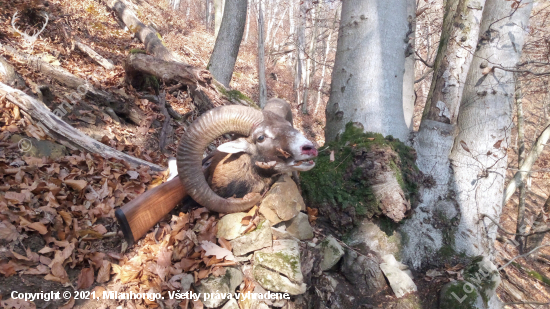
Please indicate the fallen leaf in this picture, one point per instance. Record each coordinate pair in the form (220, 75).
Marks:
(85, 278)
(39, 227)
(103, 275)
(331, 157)
(78, 185)
(211, 249)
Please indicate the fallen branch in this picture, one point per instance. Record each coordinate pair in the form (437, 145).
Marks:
(538, 231)
(94, 55)
(166, 131)
(522, 255)
(9, 76)
(153, 45)
(59, 74)
(63, 132)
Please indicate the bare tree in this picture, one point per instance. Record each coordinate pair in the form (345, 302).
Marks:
(261, 55)
(226, 49)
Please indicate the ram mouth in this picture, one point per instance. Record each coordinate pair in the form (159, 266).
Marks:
(307, 162)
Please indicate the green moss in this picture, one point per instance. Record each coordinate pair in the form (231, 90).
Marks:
(233, 95)
(344, 183)
(137, 51)
(534, 274)
(450, 301)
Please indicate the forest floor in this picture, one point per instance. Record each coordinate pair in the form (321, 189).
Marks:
(87, 234)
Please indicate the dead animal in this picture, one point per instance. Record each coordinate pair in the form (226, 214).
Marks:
(233, 178)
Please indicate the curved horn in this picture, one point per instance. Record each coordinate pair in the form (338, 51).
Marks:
(212, 124)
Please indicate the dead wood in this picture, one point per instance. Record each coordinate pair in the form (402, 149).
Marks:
(94, 55)
(9, 76)
(62, 132)
(147, 35)
(206, 92)
(166, 131)
(123, 106)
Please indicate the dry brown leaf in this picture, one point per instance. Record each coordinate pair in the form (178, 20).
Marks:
(69, 304)
(77, 185)
(100, 228)
(103, 275)
(331, 157)
(66, 216)
(39, 227)
(85, 278)
(17, 304)
(213, 249)
(224, 243)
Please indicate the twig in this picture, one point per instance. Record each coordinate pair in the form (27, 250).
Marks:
(522, 255)
(515, 234)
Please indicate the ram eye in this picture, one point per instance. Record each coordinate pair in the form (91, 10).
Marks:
(261, 138)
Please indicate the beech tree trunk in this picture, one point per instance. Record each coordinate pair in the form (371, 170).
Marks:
(218, 15)
(226, 49)
(484, 123)
(367, 78)
(261, 56)
(435, 137)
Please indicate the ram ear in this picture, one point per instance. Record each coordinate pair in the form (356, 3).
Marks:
(236, 146)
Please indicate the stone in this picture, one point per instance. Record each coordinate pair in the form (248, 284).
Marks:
(283, 201)
(398, 276)
(477, 291)
(331, 252)
(280, 232)
(278, 269)
(367, 237)
(259, 238)
(460, 294)
(274, 282)
(231, 304)
(363, 272)
(222, 285)
(299, 227)
(230, 227)
(39, 149)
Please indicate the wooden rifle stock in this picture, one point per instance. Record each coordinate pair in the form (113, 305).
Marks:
(143, 212)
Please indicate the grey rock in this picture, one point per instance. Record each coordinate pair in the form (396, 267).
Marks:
(222, 285)
(231, 304)
(186, 281)
(230, 227)
(460, 294)
(259, 238)
(273, 281)
(363, 272)
(367, 237)
(299, 227)
(399, 278)
(280, 232)
(331, 251)
(283, 201)
(278, 269)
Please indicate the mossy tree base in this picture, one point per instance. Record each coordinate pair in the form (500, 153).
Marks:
(369, 176)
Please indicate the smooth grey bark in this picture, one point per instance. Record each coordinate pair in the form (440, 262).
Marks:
(409, 96)
(367, 78)
(218, 15)
(300, 48)
(479, 156)
(435, 137)
(226, 49)
(310, 63)
(247, 23)
(261, 56)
